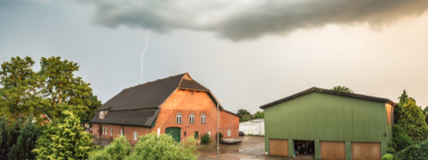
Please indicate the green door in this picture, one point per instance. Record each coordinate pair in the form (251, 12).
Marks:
(174, 132)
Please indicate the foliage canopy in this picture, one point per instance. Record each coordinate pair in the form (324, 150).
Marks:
(417, 151)
(151, 147)
(258, 114)
(24, 92)
(20, 92)
(342, 89)
(243, 112)
(411, 118)
(117, 150)
(163, 146)
(64, 138)
(17, 139)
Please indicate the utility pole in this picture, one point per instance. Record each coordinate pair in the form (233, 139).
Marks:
(217, 134)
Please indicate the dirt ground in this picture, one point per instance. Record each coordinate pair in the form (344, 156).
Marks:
(251, 148)
(247, 143)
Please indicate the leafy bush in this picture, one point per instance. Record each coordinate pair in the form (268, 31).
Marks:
(391, 149)
(387, 156)
(417, 151)
(400, 139)
(117, 150)
(18, 139)
(154, 147)
(26, 141)
(205, 139)
(244, 118)
(64, 139)
(220, 135)
(411, 118)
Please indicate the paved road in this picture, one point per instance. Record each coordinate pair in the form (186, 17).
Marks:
(252, 148)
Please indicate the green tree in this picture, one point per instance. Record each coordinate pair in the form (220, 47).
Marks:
(117, 150)
(17, 139)
(258, 114)
(425, 113)
(3, 137)
(29, 132)
(245, 118)
(417, 151)
(397, 112)
(243, 112)
(425, 110)
(220, 135)
(205, 139)
(65, 90)
(409, 124)
(244, 115)
(400, 139)
(342, 89)
(413, 120)
(64, 138)
(8, 136)
(20, 92)
(153, 147)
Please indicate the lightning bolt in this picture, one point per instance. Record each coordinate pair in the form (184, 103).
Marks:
(142, 56)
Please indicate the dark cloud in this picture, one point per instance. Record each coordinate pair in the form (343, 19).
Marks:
(247, 19)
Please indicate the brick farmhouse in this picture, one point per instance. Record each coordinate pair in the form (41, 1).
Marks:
(177, 105)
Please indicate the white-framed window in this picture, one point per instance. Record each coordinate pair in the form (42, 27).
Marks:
(203, 118)
(106, 130)
(228, 133)
(179, 118)
(100, 114)
(191, 118)
(135, 135)
(209, 133)
(121, 132)
(103, 130)
(111, 131)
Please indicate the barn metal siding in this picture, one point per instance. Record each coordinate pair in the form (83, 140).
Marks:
(326, 117)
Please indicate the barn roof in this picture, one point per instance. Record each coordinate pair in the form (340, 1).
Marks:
(130, 118)
(128, 106)
(327, 91)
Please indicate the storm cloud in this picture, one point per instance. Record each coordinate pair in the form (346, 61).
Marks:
(247, 19)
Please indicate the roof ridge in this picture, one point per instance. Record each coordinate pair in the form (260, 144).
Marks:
(327, 91)
(159, 79)
(363, 95)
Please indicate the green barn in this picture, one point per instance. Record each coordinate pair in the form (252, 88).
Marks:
(327, 124)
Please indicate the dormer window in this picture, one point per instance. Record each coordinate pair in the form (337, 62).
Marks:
(101, 115)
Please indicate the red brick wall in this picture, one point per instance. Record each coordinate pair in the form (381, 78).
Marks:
(184, 102)
(128, 132)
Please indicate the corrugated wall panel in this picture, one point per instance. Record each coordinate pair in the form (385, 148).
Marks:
(325, 117)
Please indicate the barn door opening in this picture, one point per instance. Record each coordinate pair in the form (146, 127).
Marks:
(196, 135)
(304, 149)
(366, 151)
(278, 147)
(174, 132)
(332, 150)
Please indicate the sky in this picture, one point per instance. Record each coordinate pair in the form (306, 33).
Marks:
(248, 53)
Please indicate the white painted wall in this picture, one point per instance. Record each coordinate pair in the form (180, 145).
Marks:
(255, 127)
